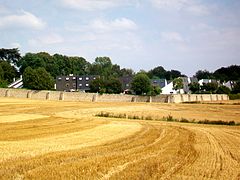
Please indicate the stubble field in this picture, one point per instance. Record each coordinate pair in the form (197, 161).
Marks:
(65, 140)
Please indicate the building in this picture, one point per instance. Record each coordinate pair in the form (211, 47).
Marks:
(229, 84)
(159, 82)
(83, 82)
(66, 83)
(168, 89)
(126, 83)
(74, 83)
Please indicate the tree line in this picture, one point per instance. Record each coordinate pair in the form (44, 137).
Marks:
(40, 69)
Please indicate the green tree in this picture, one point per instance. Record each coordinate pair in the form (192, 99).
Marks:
(113, 86)
(141, 84)
(203, 74)
(97, 85)
(173, 74)
(223, 90)
(155, 90)
(37, 79)
(178, 84)
(10, 55)
(3, 83)
(228, 73)
(1, 73)
(236, 88)
(10, 72)
(126, 72)
(102, 66)
(159, 72)
(194, 87)
(31, 60)
(209, 87)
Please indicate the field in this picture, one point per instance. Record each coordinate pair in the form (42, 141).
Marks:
(66, 140)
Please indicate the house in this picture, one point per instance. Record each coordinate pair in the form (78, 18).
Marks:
(186, 82)
(126, 83)
(229, 84)
(159, 82)
(83, 82)
(74, 83)
(168, 89)
(66, 83)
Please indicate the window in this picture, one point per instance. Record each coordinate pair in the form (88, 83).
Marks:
(67, 78)
(87, 78)
(59, 78)
(80, 79)
(74, 78)
(87, 85)
(80, 85)
(94, 78)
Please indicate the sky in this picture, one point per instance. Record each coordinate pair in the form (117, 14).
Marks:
(186, 35)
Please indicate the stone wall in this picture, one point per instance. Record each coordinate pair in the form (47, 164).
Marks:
(92, 97)
(178, 98)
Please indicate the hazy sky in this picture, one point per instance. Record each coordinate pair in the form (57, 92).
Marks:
(186, 35)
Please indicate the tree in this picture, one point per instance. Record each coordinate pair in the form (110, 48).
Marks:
(178, 84)
(102, 66)
(194, 87)
(3, 83)
(223, 90)
(203, 74)
(155, 90)
(228, 73)
(9, 72)
(10, 55)
(126, 72)
(141, 84)
(97, 85)
(113, 86)
(236, 88)
(37, 79)
(159, 72)
(209, 87)
(1, 73)
(31, 60)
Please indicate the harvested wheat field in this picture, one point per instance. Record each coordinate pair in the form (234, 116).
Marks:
(66, 140)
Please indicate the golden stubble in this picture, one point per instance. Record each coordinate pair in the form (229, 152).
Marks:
(65, 140)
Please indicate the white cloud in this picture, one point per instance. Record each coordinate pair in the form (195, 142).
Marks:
(172, 37)
(190, 6)
(121, 24)
(21, 20)
(48, 39)
(105, 26)
(92, 5)
(105, 36)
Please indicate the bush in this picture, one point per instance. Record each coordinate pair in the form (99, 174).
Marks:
(219, 122)
(234, 96)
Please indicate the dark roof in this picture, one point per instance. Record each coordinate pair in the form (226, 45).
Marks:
(159, 82)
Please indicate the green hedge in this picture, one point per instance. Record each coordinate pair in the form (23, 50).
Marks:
(234, 96)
